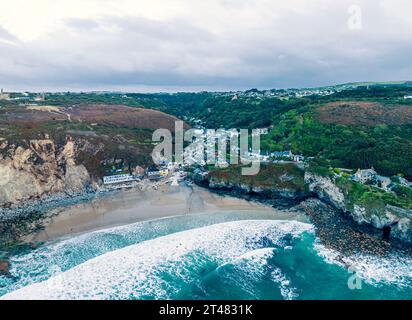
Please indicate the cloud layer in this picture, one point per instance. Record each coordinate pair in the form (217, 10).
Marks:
(197, 44)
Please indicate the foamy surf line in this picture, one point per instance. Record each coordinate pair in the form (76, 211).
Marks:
(252, 268)
(56, 257)
(375, 270)
(134, 271)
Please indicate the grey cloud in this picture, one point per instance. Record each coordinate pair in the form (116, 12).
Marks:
(300, 49)
(82, 24)
(5, 35)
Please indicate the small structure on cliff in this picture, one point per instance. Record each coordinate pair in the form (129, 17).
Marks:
(4, 96)
(287, 155)
(365, 176)
(153, 173)
(282, 154)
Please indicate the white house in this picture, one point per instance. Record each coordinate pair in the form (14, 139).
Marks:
(298, 158)
(282, 154)
(118, 179)
(365, 176)
(384, 182)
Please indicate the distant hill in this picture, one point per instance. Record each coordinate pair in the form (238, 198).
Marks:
(354, 85)
(364, 113)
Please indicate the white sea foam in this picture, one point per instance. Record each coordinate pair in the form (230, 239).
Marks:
(58, 256)
(253, 267)
(248, 269)
(392, 269)
(136, 271)
(286, 289)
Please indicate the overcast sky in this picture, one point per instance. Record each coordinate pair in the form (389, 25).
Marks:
(175, 45)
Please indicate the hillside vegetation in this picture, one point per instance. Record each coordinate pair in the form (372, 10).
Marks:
(356, 126)
(274, 176)
(101, 131)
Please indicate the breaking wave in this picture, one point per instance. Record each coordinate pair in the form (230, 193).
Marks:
(374, 270)
(203, 257)
(163, 267)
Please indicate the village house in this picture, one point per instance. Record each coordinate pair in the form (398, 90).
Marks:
(153, 173)
(281, 155)
(384, 183)
(163, 172)
(298, 158)
(40, 97)
(365, 176)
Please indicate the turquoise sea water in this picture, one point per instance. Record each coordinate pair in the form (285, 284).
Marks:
(214, 256)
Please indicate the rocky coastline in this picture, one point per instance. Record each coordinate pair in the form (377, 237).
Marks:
(36, 177)
(337, 226)
(22, 219)
(276, 197)
(391, 222)
(44, 177)
(18, 220)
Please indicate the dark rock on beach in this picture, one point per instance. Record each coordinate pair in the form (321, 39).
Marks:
(341, 233)
(16, 221)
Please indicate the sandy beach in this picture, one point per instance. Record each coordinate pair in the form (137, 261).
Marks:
(134, 205)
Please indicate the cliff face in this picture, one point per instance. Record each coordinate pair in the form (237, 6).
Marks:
(39, 168)
(325, 190)
(395, 220)
(264, 191)
(272, 181)
(392, 221)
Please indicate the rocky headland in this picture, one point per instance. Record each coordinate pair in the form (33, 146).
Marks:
(291, 186)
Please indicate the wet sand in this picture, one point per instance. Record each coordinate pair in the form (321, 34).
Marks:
(130, 206)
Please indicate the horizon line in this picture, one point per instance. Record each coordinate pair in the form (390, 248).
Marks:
(198, 89)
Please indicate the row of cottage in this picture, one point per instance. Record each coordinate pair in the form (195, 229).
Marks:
(152, 173)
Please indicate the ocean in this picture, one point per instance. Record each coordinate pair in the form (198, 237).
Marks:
(205, 256)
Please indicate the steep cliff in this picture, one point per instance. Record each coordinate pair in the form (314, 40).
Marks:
(282, 192)
(371, 210)
(273, 182)
(325, 189)
(366, 205)
(37, 168)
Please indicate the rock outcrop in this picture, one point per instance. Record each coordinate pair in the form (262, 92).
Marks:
(394, 222)
(251, 189)
(39, 168)
(4, 267)
(325, 189)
